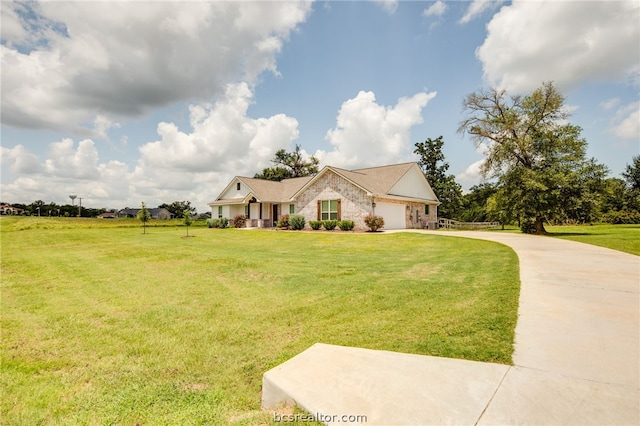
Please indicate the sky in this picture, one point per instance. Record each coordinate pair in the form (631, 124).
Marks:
(160, 101)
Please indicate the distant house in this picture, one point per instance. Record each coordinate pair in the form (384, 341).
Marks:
(8, 209)
(399, 193)
(107, 215)
(157, 213)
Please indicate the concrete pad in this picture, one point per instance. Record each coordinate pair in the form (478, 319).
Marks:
(386, 387)
(539, 398)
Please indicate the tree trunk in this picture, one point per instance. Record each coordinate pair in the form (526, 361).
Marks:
(540, 226)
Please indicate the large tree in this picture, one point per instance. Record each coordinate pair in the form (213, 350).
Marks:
(431, 161)
(538, 157)
(177, 208)
(290, 165)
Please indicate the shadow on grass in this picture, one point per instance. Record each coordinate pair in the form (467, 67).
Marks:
(572, 234)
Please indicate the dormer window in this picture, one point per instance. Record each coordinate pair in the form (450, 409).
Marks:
(238, 186)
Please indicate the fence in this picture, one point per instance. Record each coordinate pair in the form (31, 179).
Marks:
(454, 224)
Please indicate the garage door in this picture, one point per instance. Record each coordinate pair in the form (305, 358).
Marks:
(393, 214)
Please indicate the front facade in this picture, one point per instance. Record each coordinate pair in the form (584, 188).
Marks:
(399, 193)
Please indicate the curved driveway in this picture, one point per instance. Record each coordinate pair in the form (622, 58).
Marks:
(577, 336)
(576, 358)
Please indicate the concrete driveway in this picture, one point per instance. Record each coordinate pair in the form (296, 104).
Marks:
(576, 359)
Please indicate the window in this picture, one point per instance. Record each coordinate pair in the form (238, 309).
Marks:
(219, 211)
(246, 211)
(238, 186)
(292, 208)
(329, 210)
(426, 209)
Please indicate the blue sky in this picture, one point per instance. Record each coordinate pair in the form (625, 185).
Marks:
(123, 102)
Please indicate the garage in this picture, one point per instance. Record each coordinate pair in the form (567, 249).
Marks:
(393, 215)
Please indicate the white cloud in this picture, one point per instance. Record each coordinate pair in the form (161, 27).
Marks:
(529, 42)
(610, 103)
(436, 9)
(476, 8)
(389, 6)
(68, 169)
(64, 73)
(369, 134)
(471, 176)
(627, 122)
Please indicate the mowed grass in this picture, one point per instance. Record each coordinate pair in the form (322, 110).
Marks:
(104, 325)
(624, 238)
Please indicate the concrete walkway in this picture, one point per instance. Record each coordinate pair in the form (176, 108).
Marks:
(577, 356)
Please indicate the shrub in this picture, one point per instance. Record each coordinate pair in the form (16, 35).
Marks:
(528, 226)
(621, 217)
(239, 221)
(224, 222)
(330, 225)
(296, 222)
(346, 225)
(315, 224)
(283, 222)
(213, 223)
(373, 222)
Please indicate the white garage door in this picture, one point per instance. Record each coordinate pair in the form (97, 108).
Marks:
(393, 214)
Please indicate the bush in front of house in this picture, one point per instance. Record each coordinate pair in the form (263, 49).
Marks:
(315, 224)
(239, 221)
(296, 222)
(346, 225)
(283, 222)
(223, 222)
(213, 223)
(329, 225)
(373, 222)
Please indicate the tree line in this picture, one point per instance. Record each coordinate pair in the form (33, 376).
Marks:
(40, 208)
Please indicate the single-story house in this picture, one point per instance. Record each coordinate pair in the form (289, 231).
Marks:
(8, 209)
(157, 213)
(107, 215)
(399, 193)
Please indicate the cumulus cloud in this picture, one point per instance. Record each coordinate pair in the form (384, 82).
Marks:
(69, 168)
(471, 176)
(627, 122)
(368, 134)
(64, 74)
(223, 138)
(610, 103)
(529, 42)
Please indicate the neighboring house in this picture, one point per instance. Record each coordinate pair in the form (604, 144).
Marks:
(399, 193)
(156, 213)
(10, 210)
(107, 215)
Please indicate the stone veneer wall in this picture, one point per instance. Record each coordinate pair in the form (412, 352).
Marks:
(355, 204)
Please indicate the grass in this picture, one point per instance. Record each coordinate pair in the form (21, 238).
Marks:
(624, 238)
(104, 325)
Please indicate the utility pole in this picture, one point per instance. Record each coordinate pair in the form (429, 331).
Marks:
(80, 207)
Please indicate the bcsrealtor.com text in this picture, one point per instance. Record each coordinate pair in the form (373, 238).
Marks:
(319, 417)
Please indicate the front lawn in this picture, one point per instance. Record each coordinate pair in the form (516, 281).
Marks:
(104, 325)
(617, 237)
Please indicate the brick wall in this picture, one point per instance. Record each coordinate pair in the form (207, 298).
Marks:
(355, 204)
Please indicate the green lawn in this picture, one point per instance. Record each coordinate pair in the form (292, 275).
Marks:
(624, 238)
(618, 237)
(104, 325)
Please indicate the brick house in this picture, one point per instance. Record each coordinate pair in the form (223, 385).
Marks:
(399, 193)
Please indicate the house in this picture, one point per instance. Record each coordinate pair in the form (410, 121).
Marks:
(157, 213)
(107, 215)
(399, 193)
(7, 209)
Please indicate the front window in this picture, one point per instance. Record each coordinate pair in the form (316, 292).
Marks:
(426, 209)
(329, 210)
(292, 208)
(219, 211)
